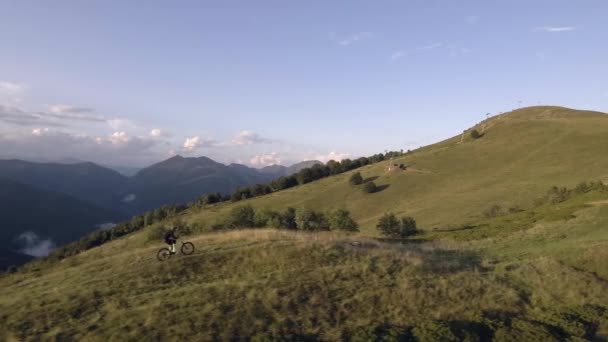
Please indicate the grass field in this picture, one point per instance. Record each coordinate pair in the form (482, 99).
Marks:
(536, 272)
(545, 281)
(521, 154)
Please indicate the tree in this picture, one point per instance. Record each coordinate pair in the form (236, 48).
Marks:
(356, 178)
(311, 220)
(370, 187)
(334, 167)
(305, 176)
(475, 134)
(241, 217)
(340, 219)
(260, 190)
(288, 219)
(264, 217)
(390, 226)
(408, 226)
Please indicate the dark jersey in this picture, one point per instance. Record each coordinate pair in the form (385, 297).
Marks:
(170, 237)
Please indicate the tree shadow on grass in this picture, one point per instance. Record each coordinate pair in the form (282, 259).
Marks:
(436, 259)
(442, 261)
(381, 187)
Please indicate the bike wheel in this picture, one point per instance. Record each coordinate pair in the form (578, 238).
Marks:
(187, 248)
(163, 254)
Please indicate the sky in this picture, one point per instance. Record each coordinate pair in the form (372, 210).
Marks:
(130, 83)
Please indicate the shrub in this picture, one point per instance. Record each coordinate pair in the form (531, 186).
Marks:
(390, 226)
(557, 195)
(370, 187)
(311, 220)
(493, 211)
(241, 217)
(408, 226)
(288, 219)
(263, 218)
(340, 219)
(514, 210)
(356, 179)
(475, 134)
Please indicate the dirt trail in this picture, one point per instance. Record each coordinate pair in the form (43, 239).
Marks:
(602, 202)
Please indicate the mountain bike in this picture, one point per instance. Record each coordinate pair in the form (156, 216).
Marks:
(164, 253)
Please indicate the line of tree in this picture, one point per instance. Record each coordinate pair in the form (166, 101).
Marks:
(99, 237)
(389, 225)
(292, 219)
(309, 174)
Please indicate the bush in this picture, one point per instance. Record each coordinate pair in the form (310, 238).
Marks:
(390, 226)
(263, 218)
(356, 179)
(408, 226)
(557, 195)
(241, 217)
(370, 187)
(311, 220)
(288, 219)
(475, 134)
(340, 220)
(493, 211)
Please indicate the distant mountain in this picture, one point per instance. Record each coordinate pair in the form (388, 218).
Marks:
(280, 170)
(124, 170)
(34, 220)
(86, 181)
(179, 180)
(175, 180)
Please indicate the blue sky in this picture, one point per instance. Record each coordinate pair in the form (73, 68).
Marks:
(262, 82)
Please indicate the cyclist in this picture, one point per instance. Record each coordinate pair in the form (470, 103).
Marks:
(171, 238)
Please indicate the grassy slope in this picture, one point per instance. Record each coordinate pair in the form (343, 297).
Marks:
(521, 155)
(544, 281)
(534, 275)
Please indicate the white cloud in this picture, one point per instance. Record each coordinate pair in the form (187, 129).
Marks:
(248, 138)
(11, 88)
(265, 160)
(355, 38)
(62, 108)
(40, 131)
(17, 116)
(332, 156)
(120, 123)
(429, 47)
(34, 245)
(194, 143)
(472, 19)
(554, 29)
(156, 132)
(11, 92)
(106, 225)
(119, 138)
(398, 54)
(403, 53)
(129, 198)
(117, 149)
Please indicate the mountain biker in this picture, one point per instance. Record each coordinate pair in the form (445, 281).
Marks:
(171, 238)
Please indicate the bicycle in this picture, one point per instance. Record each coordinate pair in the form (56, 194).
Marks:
(164, 253)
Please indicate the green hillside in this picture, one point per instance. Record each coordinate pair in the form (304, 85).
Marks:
(520, 155)
(507, 279)
(534, 269)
